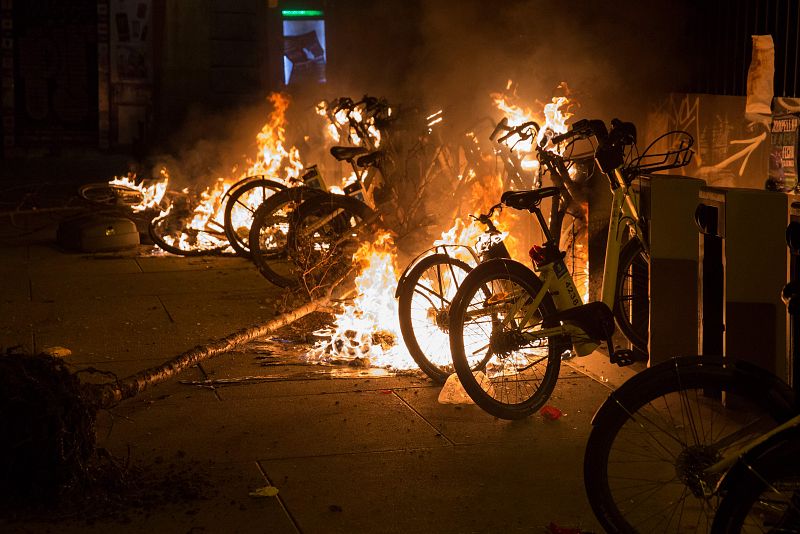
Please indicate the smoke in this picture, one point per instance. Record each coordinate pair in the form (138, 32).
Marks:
(615, 56)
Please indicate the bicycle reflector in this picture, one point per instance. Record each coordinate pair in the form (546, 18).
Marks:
(537, 255)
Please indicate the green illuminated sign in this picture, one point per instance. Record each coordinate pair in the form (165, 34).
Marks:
(289, 13)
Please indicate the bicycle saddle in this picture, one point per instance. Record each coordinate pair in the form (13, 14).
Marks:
(370, 159)
(347, 153)
(527, 200)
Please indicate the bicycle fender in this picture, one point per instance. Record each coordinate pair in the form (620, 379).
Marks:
(778, 396)
(438, 249)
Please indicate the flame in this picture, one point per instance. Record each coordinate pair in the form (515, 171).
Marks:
(273, 159)
(369, 327)
(351, 124)
(553, 119)
(152, 194)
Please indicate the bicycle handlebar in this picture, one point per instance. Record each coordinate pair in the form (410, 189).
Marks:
(523, 130)
(486, 218)
(583, 129)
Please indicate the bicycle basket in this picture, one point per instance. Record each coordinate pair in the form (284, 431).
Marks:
(668, 151)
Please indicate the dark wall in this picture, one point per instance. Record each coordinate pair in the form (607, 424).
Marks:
(216, 60)
(55, 72)
(454, 53)
(726, 44)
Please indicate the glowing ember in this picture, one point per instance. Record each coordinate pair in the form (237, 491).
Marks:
(368, 330)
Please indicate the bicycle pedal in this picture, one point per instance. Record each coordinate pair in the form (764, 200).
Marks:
(623, 357)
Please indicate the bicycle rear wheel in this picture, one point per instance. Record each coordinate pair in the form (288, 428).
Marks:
(489, 323)
(243, 200)
(324, 235)
(632, 298)
(763, 489)
(269, 232)
(424, 301)
(651, 441)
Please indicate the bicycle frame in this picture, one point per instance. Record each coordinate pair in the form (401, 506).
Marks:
(558, 282)
(624, 215)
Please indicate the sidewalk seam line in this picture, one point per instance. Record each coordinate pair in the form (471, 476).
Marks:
(438, 431)
(280, 499)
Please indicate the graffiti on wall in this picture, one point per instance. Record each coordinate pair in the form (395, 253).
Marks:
(730, 149)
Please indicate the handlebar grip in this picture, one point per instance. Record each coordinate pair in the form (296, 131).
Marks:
(624, 132)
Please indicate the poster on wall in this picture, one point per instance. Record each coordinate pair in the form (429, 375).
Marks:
(131, 69)
(131, 46)
(304, 50)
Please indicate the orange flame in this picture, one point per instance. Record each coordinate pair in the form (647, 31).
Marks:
(152, 194)
(273, 160)
(369, 328)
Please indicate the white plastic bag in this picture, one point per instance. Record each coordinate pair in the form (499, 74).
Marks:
(453, 392)
(761, 75)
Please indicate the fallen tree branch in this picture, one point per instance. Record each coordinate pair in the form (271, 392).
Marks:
(107, 395)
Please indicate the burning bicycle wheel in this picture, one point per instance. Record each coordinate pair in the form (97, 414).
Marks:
(110, 194)
(174, 233)
(243, 199)
(489, 322)
(424, 301)
(325, 233)
(269, 231)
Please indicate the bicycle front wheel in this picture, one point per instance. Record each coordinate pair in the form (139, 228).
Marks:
(173, 233)
(423, 302)
(242, 201)
(763, 489)
(653, 438)
(490, 322)
(632, 298)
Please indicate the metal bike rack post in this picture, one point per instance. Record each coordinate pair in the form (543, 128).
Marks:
(710, 219)
(756, 268)
(671, 202)
(793, 241)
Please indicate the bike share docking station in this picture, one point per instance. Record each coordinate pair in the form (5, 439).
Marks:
(718, 261)
(742, 314)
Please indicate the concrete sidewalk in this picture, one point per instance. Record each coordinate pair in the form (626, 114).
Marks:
(371, 453)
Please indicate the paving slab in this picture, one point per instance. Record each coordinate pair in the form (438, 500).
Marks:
(149, 283)
(575, 397)
(303, 425)
(220, 314)
(225, 507)
(93, 327)
(462, 489)
(160, 262)
(351, 450)
(14, 284)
